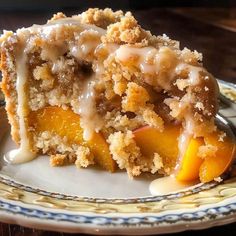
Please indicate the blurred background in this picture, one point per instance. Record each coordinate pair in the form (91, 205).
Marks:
(125, 4)
(208, 26)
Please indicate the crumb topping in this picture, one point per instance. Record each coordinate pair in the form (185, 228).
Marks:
(101, 18)
(207, 150)
(128, 156)
(138, 79)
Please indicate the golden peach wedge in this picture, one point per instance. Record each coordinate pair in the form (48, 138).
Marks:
(66, 123)
(192, 166)
(215, 165)
(151, 140)
(190, 162)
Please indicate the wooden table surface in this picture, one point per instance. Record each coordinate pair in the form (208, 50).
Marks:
(210, 31)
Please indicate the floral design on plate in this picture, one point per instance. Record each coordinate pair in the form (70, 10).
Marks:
(34, 195)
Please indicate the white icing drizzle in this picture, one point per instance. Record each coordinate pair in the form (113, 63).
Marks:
(47, 28)
(152, 61)
(140, 56)
(23, 153)
(193, 72)
(90, 120)
(148, 60)
(100, 50)
(167, 185)
(183, 142)
(85, 46)
(75, 21)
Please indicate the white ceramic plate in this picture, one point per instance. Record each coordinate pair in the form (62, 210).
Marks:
(94, 201)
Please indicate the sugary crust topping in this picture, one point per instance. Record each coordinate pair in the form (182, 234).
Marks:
(136, 101)
(153, 119)
(44, 74)
(101, 18)
(8, 84)
(157, 163)
(57, 16)
(61, 152)
(126, 30)
(6, 34)
(207, 151)
(141, 79)
(128, 156)
(84, 157)
(136, 98)
(125, 152)
(61, 159)
(115, 120)
(121, 28)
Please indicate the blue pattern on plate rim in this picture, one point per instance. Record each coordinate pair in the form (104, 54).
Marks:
(151, 220)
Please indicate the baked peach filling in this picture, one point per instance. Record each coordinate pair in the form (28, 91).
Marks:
(191, 161)
(204, 158)
(151, 140)
(66, 123)
(217, 163)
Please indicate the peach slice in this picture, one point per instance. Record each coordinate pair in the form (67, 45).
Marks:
(192, 166)
(66, 123)
(215, 165)
(100, 149)
(165, 143)
(190, 162)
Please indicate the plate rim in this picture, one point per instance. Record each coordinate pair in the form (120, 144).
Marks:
(222, 216)
(100, 224)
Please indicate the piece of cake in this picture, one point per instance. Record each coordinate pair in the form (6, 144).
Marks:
(96, 88)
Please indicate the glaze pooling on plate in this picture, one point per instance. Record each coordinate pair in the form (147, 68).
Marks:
(208, 204)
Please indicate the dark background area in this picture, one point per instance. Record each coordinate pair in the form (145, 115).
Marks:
(208, 26)
(10, 5)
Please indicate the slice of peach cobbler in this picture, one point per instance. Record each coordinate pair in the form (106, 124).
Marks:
(96, 88)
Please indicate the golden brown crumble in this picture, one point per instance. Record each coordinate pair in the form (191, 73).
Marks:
(153, 119)
(126, 30)
(125, 152)
(59, 159)
(222, 136)
(157, 163)
(128, 156)
(116, 121)
(57, 16)
(135, 99)
(126, 97)
(6, 34)
(207, 150)
(101, 18)
(43, 73)
(65, 152)
(218, 179)
(84, 157)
